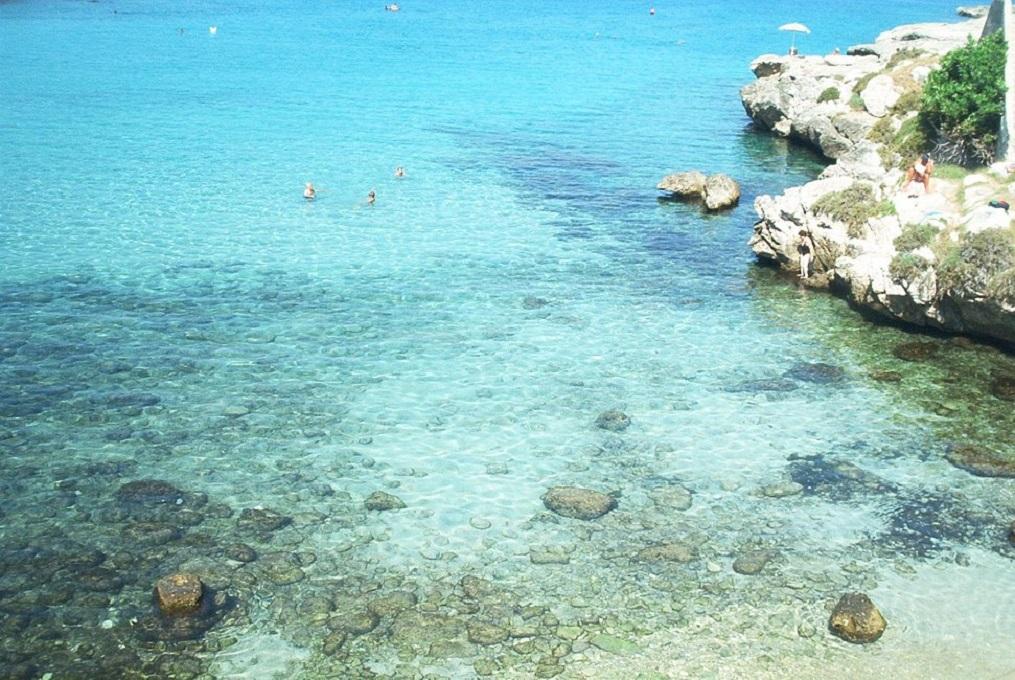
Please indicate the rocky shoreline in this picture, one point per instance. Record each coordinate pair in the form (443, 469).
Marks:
(910, 258)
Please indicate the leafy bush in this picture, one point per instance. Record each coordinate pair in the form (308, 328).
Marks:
(903, 55)
(853, 206)
(908, 102)
(978, 259)
(883, 131)
(862, 84)
(915, 236)
(830, 94)
(1002, 286)
(963, 100)
(909, 142)
(855, 102)
(908, 267)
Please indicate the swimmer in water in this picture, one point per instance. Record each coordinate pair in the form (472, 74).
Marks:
(371, 197)
(399, 171)
(309, 192)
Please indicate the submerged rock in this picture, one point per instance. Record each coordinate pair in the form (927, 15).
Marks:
(613, 644)
(577, 503)
(981, 461)
(886, 376)
(916, 351)
(240, 552)
(483, 633)
(1002, 386)
(782, 489)
(818, 373)
(179, 594)
(381, 501)
(149, 492)
(262, 519)
(681, 553)
(672, 497)
(856, 619)
(1011, 533)
(752, 561)
(389, 605)
(533, 302)
(613, 420)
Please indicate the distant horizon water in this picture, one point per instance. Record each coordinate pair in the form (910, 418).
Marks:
(203, 372)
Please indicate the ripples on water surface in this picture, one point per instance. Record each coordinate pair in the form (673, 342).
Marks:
(171, 309)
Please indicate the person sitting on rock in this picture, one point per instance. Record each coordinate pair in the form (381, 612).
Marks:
(920, 172)
(804, 251)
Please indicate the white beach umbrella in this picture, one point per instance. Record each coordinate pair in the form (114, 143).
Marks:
(794, 28)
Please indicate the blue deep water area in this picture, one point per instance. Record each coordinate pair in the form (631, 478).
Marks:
(172, 309)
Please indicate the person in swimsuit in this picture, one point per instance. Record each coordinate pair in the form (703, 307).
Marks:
(371, 197)
(309, 192)
(803, 249)
(399, 171)
(921, 172)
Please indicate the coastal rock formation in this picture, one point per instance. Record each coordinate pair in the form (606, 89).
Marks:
(981, 461)
(578, 503)
(718, 192)
(684, 185)
(856, 619)
(856, 218)
(721, 192)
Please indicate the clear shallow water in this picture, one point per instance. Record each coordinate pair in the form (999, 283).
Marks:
(172, 309)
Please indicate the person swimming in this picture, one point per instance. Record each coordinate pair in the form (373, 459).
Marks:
(393, 7)
(309, 192)
(371, 197)
(399, 171)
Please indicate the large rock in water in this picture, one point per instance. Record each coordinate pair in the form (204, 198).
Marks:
(684, 185)
(856, 619)
(721, 191)
(577, 503)
(179, 594)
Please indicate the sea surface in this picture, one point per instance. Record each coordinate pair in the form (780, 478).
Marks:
(200, 371)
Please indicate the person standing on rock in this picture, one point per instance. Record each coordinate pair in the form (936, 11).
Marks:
(805, 251)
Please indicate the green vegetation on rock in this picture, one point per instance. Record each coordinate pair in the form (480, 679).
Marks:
(1002, 286)
(915, 236)
(853, 206)
(830, 94)
(979, 258)
(908, 267)
(963, 100)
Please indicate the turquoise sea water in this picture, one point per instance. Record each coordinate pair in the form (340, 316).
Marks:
(172, 309)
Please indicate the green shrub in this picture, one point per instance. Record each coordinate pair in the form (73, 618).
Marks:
(1002, 286)
(908, 102)
(853, 206)
(908, 267)
(915, 236)
(883, 131)
(863, 82)
(909, 142)
(903, 55)
(829, 94)
(963, 100)
(978, 259)
(855, 102)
